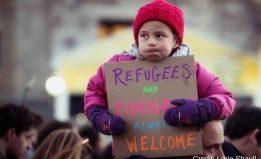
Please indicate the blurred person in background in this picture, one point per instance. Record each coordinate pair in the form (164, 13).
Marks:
(18, 130)
(243, 133)
(94, 140)
(45, 129)
(62, 144)
(50, 126)
(30, 152)
(87, 151)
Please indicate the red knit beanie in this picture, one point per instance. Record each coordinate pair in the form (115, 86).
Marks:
(162, 11)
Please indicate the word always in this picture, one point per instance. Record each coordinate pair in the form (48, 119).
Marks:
(152, 125)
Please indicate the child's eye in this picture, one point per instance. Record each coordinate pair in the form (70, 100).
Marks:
(144, 35)
(160, 35)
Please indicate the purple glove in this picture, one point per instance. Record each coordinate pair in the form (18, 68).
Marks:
(190, 112)
(106, 123)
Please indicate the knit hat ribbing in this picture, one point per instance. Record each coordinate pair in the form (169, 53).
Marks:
(162, 11)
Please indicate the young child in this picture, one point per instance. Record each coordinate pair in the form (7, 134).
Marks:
(158, 32)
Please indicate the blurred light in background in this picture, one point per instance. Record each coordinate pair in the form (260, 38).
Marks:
(55, 85)
(81, 119)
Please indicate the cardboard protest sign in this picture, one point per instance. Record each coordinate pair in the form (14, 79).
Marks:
(140, 92)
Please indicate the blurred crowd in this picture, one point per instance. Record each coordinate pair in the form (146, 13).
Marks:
(25, 135)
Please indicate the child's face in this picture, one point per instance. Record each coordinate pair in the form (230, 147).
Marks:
(156, 40)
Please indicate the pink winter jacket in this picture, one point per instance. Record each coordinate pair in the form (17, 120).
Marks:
(208, 86)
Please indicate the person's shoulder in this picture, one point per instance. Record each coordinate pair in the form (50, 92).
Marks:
(230, 150)
(124, 56)
(197, 64)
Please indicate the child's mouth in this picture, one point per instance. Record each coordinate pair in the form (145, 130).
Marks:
(152, 51)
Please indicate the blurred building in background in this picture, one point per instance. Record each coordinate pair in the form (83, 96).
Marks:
(69, 40)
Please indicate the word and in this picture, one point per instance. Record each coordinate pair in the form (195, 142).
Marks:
(151, 89)
(152, 125)
(168, 72)
(142, 107)
(152, 143)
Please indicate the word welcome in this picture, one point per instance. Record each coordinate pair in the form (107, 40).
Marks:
(169, 72)
(152, 125)
(142, 107)
(146, 143)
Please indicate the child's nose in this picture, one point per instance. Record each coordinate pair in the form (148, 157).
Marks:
(152, 42)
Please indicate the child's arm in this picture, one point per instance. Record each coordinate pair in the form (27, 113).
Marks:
(106, 123)
(215, 102)
(96, 105)
(96, 93)
(209, 86)
(190, 112)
